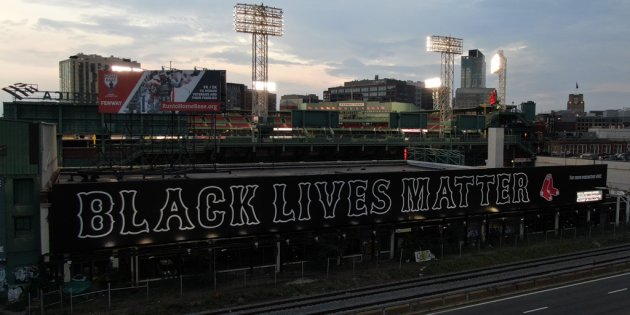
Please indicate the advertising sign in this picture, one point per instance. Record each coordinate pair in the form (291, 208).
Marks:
(588, 196)
(163, 91)
(86, 216)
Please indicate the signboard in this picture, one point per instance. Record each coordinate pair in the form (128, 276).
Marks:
(351, 104)
(589, 196)
(150, 92)
(24, 91)
(88, 216)
(423, 255)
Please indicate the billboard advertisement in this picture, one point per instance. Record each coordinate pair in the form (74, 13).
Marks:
(161, 91)
(87, 216)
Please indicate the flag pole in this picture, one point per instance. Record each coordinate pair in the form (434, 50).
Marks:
(576, 87)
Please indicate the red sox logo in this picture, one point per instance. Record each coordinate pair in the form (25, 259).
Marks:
(548, 191)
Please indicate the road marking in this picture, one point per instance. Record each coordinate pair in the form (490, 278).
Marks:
(531, 293)
(536, 310)
(616, 291)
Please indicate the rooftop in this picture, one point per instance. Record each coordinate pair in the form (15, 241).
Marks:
(244, 170)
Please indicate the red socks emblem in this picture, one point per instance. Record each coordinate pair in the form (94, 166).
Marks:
(548, 191)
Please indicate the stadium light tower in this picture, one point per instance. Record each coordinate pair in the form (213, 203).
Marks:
(434, 84)
(448, 47)
(498, 65)
(261, 21)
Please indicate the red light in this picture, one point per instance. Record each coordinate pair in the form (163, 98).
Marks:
(405, 154)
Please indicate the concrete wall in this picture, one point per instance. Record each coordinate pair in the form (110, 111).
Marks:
(496, 140)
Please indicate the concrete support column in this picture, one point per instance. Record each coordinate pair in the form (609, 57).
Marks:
(556, 223)
(617, 210)
(278, 256)
(67, 273)
(136, 274)
(496, 140)
(392, 244)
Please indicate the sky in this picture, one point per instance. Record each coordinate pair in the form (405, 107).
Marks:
(551, 46)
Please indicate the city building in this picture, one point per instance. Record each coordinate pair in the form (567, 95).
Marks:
(79, 73)
(28, 167)
(381, 90)
(576, 103)
(594, 134)
(424, 96)
(271, 101)
(471, 97)
(473, 91)
(293, 101)
(236, 95)
(473, 73)
(586, 122)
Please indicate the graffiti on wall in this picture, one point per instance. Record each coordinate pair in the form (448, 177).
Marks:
(25, 274)
(3, 279)
(14, 294)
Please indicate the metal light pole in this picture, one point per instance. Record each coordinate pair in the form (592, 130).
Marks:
(448, 47)
(260, 21)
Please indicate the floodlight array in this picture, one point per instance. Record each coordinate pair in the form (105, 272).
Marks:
(258, 19)
(445, 44)
(498, 62)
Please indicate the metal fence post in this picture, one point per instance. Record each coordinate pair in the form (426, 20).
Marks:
(181, 285)
(29, 303)
(109, 296)
(71, 300)
(41, 302)
(61, 297)
(327, 266)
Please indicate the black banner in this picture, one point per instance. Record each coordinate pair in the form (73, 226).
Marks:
(88, 216)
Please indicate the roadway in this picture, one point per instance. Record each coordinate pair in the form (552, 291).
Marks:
(608, 295)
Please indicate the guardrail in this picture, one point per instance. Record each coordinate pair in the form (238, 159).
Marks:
(72, 298)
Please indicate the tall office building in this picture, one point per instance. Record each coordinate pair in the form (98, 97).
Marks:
(576, 103)
(473, 70)
(79, 73)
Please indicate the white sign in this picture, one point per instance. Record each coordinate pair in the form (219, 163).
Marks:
(424, 255)
(587, 196)
(351, 104)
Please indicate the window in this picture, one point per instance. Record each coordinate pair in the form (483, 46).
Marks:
(22, 224)
(22, 191)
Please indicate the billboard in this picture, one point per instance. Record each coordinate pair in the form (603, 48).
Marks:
(161, 91)
(88, 216)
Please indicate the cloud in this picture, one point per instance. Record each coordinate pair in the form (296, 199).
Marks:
(549, 45)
